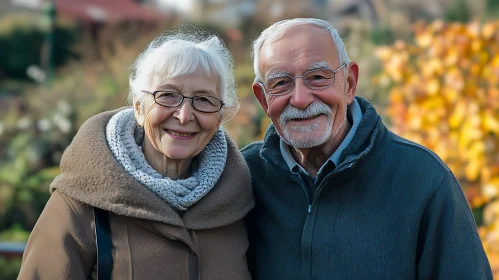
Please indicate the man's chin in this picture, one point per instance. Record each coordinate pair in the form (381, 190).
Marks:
(304, 140)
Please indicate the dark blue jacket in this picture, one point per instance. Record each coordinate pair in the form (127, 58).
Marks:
(391, 210)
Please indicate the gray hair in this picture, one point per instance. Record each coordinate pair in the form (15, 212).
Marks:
(182, 53)
(276, 30)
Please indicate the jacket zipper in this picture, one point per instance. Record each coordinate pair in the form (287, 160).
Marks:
(307, 232)
(304, 188)
(305, 252)
(308, 227)
(316, 192)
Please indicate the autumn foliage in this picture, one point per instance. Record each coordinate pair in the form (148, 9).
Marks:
(444, 94)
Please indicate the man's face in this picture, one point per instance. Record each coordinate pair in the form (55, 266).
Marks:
(305, 117)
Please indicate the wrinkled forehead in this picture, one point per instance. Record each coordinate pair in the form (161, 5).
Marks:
(300, 48)
(197, 82)
(283, 30)
(201, 75)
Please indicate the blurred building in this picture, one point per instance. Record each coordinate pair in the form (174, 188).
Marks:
(96, 24)
(9, 7)
(274, 10)
(396, 13)
(225, 12)
(87, 10)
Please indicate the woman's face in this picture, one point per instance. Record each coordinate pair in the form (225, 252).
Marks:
(181, 133)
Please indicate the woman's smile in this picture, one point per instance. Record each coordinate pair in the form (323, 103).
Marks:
(180, 135)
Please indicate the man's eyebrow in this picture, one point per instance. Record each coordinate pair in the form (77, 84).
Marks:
(315, 66)
(318, 65)
(276, 74)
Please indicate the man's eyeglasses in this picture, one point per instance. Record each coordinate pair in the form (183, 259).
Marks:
(172, 99)
(314, 79)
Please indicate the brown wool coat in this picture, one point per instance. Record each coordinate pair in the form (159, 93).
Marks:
(149, 239)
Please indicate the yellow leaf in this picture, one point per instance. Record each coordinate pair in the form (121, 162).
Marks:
(452, 57)
(472, 170)
(488, 31)
(424, 40)
(491, 122)
(433, 87)
(457, 115)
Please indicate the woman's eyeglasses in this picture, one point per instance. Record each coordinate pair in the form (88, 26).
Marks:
(172, 99)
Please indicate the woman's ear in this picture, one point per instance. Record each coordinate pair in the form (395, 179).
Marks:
(222, 116)
(138, 110)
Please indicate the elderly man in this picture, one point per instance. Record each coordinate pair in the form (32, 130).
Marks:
(339, 196)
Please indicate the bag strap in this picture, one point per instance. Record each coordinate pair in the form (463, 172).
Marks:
(104, 246)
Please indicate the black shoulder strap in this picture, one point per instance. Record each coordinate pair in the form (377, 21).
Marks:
(104, 246)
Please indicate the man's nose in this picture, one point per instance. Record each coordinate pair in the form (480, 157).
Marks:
(301, 95)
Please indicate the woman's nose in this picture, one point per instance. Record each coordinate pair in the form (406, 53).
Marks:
(184, 112)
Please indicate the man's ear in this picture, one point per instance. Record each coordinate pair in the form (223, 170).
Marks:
(352, 79)
(260, 95)
(138, 110)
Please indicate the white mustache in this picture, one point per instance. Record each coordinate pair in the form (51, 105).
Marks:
(314, 109)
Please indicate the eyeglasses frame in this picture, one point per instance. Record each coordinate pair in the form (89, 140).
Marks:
(222, 104)
(304, 81)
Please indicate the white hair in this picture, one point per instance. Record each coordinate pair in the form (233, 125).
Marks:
(182, 53)
(276, 30)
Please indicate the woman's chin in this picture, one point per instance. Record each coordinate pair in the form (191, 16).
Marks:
(179, 155)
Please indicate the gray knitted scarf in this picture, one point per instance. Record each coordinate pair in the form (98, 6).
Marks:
(180, 194)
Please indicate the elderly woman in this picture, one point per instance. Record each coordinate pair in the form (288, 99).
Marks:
(156, 191)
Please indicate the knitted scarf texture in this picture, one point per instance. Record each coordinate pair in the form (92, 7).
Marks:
(180, 194)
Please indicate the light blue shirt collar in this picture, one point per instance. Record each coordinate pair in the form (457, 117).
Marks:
(355, 113)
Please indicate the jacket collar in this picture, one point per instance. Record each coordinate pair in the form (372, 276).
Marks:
(91, 174)
(361, 144)
(366, 134)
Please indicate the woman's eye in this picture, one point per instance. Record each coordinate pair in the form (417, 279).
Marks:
(205, 101)
(167, 94)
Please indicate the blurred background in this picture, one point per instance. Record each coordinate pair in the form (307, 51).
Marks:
(431, 67)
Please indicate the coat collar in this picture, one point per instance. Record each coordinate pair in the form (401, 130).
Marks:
(91, 174)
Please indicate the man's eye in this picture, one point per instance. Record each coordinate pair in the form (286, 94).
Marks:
(280, 83)
(317, 77)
